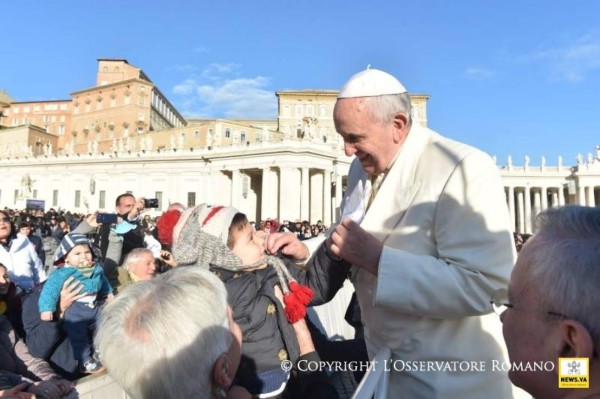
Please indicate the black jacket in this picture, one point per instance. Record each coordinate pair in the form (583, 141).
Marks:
(46, 339)
(268, 338)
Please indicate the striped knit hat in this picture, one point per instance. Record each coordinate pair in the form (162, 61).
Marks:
(68, 242)
(200, 239)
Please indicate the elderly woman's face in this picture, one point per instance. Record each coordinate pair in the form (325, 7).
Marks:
(5, 227)
(144, 268)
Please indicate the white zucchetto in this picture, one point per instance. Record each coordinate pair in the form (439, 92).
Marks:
(370, 83)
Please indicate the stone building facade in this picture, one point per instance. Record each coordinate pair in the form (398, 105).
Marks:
(123, 135)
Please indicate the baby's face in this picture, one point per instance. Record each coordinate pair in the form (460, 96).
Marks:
(79, 256)
(249, 245)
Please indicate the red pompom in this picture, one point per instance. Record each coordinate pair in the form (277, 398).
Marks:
(165, 225)
(294, 309)
(302, 292)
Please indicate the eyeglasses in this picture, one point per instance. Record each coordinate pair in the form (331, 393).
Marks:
(500, 304)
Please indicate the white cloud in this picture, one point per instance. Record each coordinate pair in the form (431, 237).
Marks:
(478, 73)
(200, 50)
(216, 93)
(186, 87)
(573, 62)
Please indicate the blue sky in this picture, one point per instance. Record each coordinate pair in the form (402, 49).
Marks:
(510, 77)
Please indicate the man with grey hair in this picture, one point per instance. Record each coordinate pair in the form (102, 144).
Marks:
(426, 227)
(171, 337)
(550, 310)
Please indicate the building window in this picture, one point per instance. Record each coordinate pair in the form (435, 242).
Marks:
(127, 99)
(191, 199)
(101, 199)
(158, 196)
(34, 193)
(196, 135)
(310, 110)
(54, 197)
(227, 133)
(298, 111)
(16, 196)
(243, 137)
(77, 198)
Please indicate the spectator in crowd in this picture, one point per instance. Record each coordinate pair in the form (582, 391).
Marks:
(26, 230)
(15, 358)
(56, 231)
(186, 309)
(221, 239)
(550, 308)
(207, 338)
(47, 339)
(118, 239)
(426, 229)
(150, 242)
(19, 257)
(139, 265)
(76, 257)
(10, 301)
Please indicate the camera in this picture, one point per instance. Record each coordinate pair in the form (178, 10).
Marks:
(106, 218)
(151, 203)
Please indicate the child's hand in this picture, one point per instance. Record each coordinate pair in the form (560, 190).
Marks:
(110, 297)
(46, 316)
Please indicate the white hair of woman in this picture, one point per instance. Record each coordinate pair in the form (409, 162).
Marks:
(161, 338)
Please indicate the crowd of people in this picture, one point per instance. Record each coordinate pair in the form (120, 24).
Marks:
(204, 303)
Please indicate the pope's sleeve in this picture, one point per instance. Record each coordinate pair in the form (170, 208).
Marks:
(475, 251)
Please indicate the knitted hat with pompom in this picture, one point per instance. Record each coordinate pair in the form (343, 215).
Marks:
(200, 238)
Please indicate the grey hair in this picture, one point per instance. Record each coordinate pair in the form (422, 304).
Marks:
(134, 256)
(383, 108)
(160, 338)
(565, 263)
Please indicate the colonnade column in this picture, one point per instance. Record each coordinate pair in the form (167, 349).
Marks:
(555, 198)
(591, 201)
(338, 195)
(511, 207)
(581, 195)
(289, 193)
(236, 191)
(544, 195)
(326, 197)
(304, 200)
(268, 203)
(527, 199)
(561, 196)
(537, 207)
(521, 224)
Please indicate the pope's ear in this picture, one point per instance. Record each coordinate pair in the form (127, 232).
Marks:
(401, 127)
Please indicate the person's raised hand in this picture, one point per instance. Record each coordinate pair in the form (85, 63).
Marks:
(71, 291)
(286, 244)
(352, 243)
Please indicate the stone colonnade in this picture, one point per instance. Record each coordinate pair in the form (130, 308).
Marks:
(525, 201)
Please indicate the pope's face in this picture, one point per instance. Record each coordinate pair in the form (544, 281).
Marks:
(375, 144)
